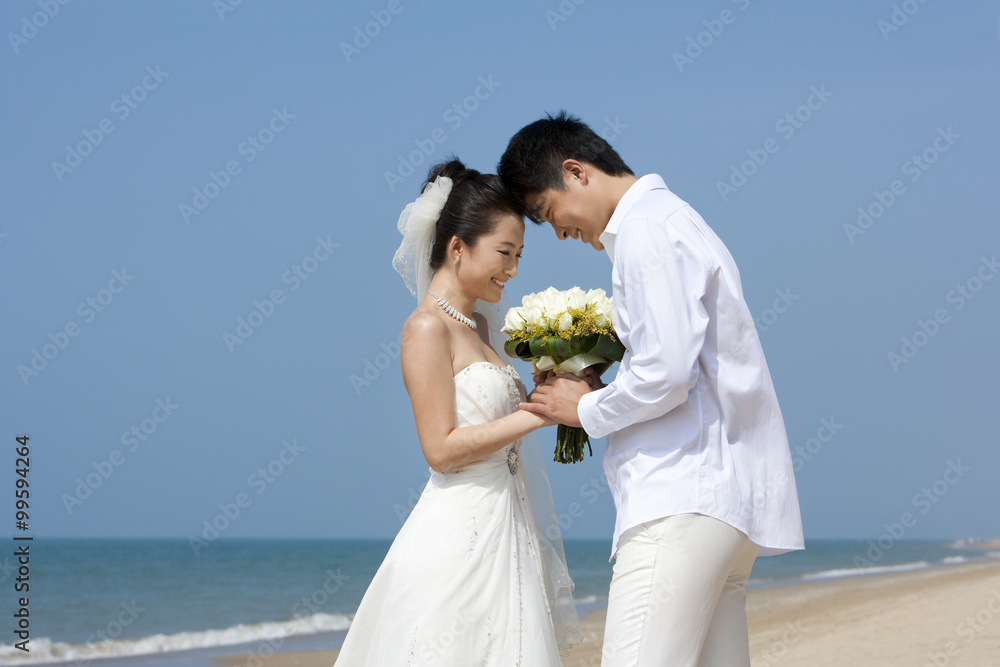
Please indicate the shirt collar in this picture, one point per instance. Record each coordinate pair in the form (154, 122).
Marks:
(625, 204)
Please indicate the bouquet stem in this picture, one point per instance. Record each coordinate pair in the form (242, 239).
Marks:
(569, 444)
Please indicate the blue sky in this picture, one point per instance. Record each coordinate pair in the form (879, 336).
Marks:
(170, 168)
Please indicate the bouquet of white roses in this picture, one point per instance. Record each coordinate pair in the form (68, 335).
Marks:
(564, 332)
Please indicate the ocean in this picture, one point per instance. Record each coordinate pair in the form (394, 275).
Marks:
(97, 602)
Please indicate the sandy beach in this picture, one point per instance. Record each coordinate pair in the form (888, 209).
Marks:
(940, 617)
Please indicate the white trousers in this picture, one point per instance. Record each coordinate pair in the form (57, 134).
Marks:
(678, 595)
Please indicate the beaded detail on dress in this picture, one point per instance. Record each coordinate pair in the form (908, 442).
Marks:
(512, 458)
(515, 394)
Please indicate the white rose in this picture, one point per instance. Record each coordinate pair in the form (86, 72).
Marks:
(564, 323)
(603, 308)
(552, 302)
(576, 298)
(513, 321)
(533, 315)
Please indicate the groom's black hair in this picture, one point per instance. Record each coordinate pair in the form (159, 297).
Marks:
(533, 160)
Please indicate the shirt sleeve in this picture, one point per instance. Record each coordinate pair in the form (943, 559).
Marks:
(661, 321)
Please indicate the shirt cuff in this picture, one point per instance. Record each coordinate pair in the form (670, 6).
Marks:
(590, 417)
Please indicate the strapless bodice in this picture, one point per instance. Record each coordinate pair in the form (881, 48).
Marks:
(485, 392)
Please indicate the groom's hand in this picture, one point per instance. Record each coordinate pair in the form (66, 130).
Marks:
(558, 398)
(593, 379)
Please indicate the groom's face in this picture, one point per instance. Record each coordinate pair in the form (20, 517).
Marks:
(570, 213)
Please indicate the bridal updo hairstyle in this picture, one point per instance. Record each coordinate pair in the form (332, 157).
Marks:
(473, 208)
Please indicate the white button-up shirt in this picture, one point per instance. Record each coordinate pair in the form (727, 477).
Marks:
(692, 418)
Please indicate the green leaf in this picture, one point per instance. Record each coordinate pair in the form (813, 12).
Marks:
(609, 348)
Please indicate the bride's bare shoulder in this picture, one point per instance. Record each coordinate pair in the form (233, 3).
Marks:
(423, 328)
(425, 349)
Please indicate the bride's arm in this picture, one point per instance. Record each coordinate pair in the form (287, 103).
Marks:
(429, 379)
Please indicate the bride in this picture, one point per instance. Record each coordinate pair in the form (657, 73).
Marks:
(477, 574)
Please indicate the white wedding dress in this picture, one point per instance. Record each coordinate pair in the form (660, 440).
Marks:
(472, 578)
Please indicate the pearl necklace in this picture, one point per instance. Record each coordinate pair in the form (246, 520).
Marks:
(451, 310)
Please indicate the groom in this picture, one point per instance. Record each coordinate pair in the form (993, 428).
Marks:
(697, 458)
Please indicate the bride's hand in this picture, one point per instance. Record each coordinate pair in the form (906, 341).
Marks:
(542, 377)
(542, 419)
(592, 378)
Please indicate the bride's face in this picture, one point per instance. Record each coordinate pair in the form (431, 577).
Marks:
(493, 260)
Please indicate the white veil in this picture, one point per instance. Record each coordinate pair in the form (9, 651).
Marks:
(418, 223)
